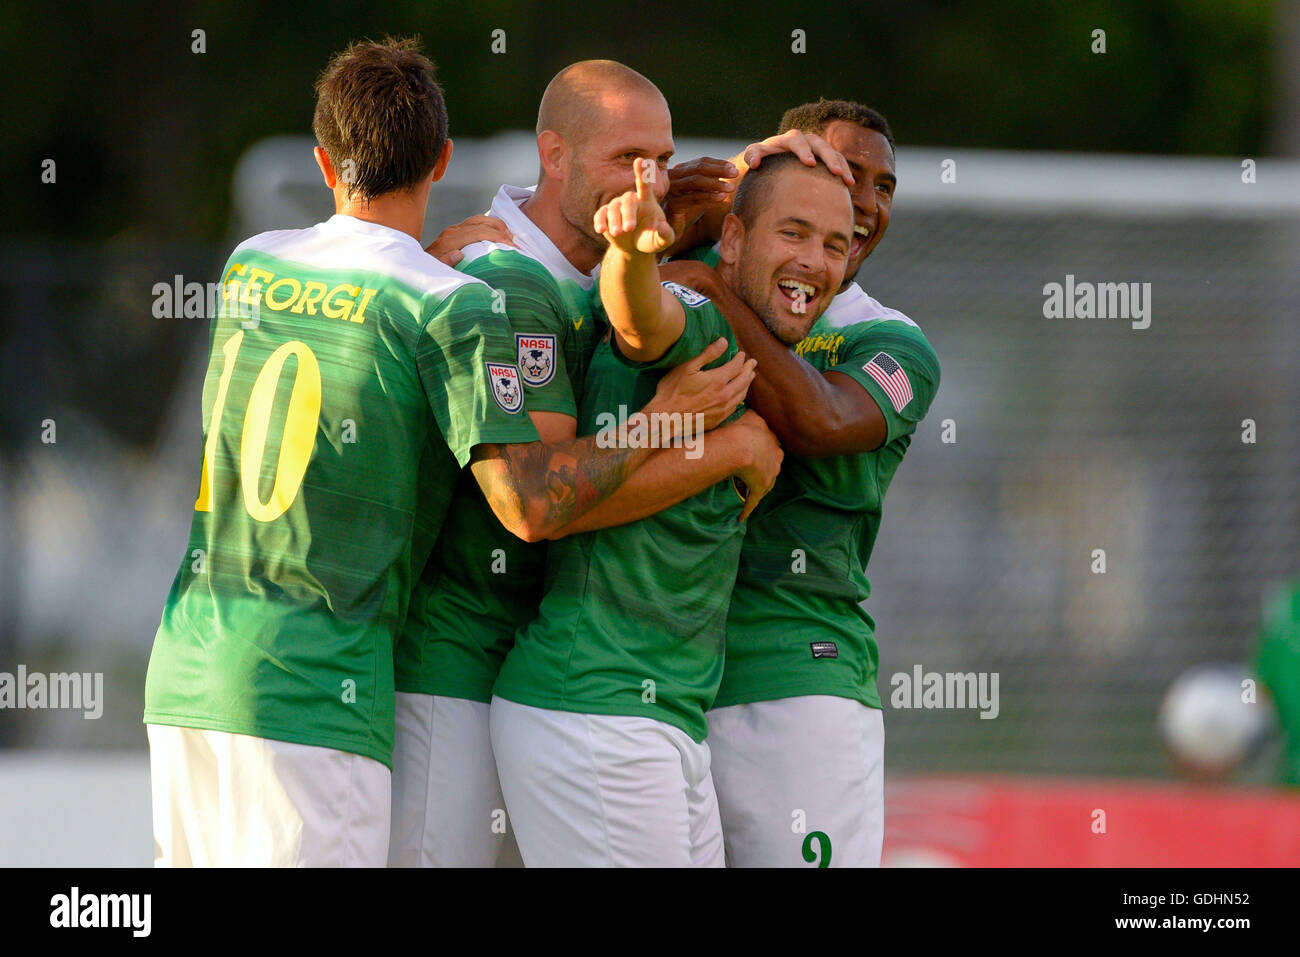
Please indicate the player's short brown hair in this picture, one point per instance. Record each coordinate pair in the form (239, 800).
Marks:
(815, 117)
(379, 106)
(755, 189)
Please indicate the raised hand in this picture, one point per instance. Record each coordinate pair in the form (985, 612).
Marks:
(695, 188)
(634, 222)
(809, 147)
(714, 393)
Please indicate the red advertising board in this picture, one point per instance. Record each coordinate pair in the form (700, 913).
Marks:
(1054, 822)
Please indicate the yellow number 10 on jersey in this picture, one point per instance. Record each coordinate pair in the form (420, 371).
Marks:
(299, 429)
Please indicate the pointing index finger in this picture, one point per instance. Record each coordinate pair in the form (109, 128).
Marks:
(643, 170)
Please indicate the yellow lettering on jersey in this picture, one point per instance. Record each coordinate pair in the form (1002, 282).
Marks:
(230, 292)
(335, 307)
(312, 293)
(269, 300)
(345, 301)
(231, 289)
(255, 280)
(821, 343)
(361, 306)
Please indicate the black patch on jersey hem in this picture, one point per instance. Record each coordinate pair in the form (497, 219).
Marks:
(824, 649)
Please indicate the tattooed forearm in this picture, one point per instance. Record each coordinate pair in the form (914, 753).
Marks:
(537, 488)
(561, 490)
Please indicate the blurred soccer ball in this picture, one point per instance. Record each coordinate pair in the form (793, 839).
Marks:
(1206, 726)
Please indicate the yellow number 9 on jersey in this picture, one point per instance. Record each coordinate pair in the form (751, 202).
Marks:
(296, 444)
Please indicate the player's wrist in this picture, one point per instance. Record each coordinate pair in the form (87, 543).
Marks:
(627, 257)
(734, 453)
(664, 409)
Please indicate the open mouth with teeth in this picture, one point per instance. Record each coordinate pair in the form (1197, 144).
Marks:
(796, 291)
(860, 236)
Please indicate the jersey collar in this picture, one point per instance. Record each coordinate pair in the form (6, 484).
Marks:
(343, 223)
(530, 240)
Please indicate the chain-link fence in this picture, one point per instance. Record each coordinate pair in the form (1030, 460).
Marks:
(1057, 447)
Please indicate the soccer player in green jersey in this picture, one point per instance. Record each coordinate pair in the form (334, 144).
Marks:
(483, 584)
(352, 377)
(796, 730)
(598, 718)
(1277, 662)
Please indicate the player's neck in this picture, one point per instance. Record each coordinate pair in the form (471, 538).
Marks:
(543, 209)
(403, 212)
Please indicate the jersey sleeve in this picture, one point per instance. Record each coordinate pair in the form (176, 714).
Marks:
(704, 324)
(897, 366)
(539, 322)
(466, 362)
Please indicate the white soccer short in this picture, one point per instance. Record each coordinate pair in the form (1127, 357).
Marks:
(447, 805)
(788, 768)
(232, 800)
(594, 790)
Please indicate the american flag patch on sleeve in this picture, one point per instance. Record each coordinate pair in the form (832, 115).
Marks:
(892, 379)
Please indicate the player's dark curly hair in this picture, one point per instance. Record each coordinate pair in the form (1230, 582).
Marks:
(379, 107)
(815, 117)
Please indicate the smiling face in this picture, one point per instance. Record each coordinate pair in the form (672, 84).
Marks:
(628, 125)
(789, 262)
(871, 160)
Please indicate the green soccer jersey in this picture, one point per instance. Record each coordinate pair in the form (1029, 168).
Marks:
(482, 584)
(350, 376)
(1278, 664)
(796, 624)
(633, 618)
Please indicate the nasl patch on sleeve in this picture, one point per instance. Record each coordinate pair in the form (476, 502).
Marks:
(536, 358)
(505, 386)
(688, 296)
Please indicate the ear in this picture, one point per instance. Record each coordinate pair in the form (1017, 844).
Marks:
(551, 152)
(440, 165)
(733, 238)
(326, 168)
